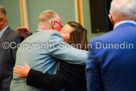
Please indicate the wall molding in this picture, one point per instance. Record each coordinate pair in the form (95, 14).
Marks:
(79, 11)
(24, 15)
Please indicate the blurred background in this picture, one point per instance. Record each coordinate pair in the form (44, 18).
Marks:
(26, 12)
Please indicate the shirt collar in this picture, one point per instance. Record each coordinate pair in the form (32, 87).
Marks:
(3, 30)
(39, 30)
(124, 21)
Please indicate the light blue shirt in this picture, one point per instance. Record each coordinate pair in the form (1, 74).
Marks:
(40, 50)
(2, 31)
(124, 21)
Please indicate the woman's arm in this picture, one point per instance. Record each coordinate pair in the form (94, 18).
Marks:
(63, 78)
(42, 80)
(36, 78)
(68, 76)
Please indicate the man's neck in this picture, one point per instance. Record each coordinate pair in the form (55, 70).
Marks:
(124, 21)
(123, 18)
(45, 28)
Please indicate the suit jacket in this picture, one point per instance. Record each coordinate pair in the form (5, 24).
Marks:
(111, 64)
(40, 50)
(7, 57)
(70, 77)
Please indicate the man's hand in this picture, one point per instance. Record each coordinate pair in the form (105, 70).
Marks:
(21, 71)
(23, 31)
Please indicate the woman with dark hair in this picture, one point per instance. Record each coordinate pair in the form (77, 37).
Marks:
(70, 77)
(77, 36)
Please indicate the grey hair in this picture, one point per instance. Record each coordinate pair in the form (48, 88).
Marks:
(128, 10)
(47, 16)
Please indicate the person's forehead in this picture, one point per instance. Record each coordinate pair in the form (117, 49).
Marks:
(68, 27)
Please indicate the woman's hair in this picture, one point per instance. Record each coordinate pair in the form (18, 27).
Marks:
(78, 38)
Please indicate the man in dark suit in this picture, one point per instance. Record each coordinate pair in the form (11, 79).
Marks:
(111, 64)
(8, 47)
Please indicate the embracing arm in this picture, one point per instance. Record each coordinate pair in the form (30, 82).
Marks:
(41, 80)
(65, 77)
(34, 78)
(23, 32)
(46, 81)
(63, 51)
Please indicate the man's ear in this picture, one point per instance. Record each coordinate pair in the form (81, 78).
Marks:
(111, 19)
(53, 24)
(1, 21)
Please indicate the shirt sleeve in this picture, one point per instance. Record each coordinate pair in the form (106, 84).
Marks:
(41, 80)
(63, 51)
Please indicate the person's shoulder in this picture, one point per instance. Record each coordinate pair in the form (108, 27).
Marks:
(12, 34)
(55, 36)
(50, 32)
(55, 33)
(104, 37)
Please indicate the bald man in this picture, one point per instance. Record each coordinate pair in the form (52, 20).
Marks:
(111, 64)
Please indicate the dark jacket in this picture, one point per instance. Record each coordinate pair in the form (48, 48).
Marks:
(70, 76)
(113, 68)
(7, 57)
